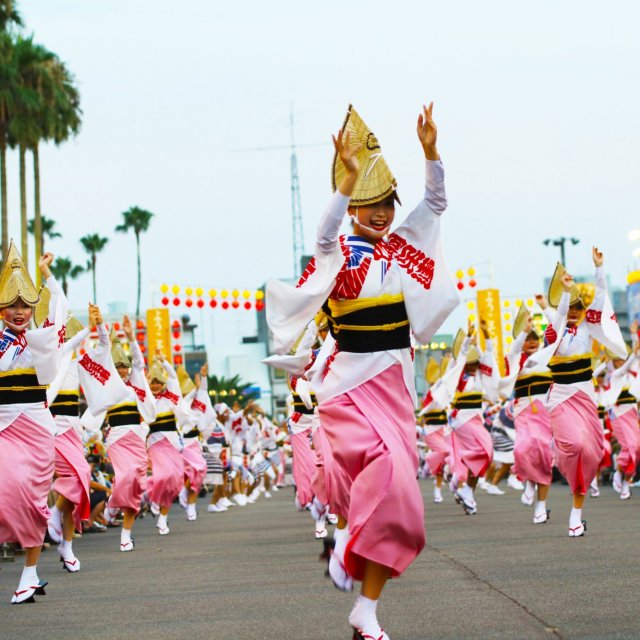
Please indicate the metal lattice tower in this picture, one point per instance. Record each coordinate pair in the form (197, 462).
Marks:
(296, 208)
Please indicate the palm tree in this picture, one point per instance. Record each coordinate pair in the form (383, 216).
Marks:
(137, 219)
(229, 390)
(64, 270)
(59, 118)
(25, 129)
(93, 244)
(10, 19)
(48, 231)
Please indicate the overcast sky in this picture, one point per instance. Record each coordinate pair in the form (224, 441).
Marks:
(537, 106)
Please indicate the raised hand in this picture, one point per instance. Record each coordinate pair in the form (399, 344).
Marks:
(347, 151)
(484, 329)
(127, 328)
(428, 133)
(567, 281)
(95, 316)
(44, 263)
(541, 300)
(471, 328)
(528, 325)
(159, 355)
(598, 257)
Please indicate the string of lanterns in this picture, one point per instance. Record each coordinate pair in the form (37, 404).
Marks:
(223, 299)
(460, 277)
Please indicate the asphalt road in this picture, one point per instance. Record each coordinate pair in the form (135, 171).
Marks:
(253, 572)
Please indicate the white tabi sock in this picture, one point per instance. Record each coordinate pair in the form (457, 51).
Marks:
(363, 616)
(191, 510)
(29, 578)
(162, 522)
(125, 536)
(575, 519)
(540, 509)
(65, 549)
(341, 537)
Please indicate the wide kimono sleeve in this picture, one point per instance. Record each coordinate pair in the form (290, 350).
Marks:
(428, 288)
(601, 319)
(289, 309)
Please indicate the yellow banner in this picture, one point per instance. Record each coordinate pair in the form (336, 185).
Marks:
(159, 333)
(489, 311)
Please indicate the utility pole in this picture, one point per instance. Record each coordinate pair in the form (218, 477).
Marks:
(296, 207)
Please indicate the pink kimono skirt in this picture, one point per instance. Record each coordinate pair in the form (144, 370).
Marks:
(439, 450)
(26, 468)
(627, 432)
(195, 466)
(533, 459)
(472, 449)
(168, 473)
(304, 463)
(73, 475)
(128, 455)
(372, 434)
(578, 440)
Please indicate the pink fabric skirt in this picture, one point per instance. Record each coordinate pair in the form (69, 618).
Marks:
(319, 483)
(195, 466)
(73, 475)
(329, 482)
(304, 464)
(439, 450)
(168, 473)
(26, 468)
(372, 433)
(578, 440)
(627, 433)
(129, 458)
(533, 459)
(472, 449)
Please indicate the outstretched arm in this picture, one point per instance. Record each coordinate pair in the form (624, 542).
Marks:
(435, 194)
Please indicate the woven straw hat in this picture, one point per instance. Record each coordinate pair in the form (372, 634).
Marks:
(186, 383)
(375, 180)
(15, 281)
(556, 290)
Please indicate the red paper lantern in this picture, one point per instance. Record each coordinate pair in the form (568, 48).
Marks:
(176, 302)
(116, 326)
(247, 305)
(200, 304)
(140, 324)
(460, 286)
(178, 360)
(165, 301)
(259, 305)
(189, 302)
(213, 304)
(176, 335)
(235, 304)
(176, 324)
(177, 348)
(143, 348)
(140, 336)
(225, 305)
(472, 283)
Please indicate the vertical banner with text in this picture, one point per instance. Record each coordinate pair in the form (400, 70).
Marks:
(489, 311)
(159, 333)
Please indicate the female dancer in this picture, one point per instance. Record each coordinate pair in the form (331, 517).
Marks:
(29, 360)
(73, 474)
(378, 290)
(577, 431)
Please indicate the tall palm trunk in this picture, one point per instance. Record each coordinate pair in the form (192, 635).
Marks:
(23, 207)
(37, 227)
(93, 274)
(139, 277)
(3, 189)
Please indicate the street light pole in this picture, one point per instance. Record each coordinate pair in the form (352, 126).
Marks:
(560, 242)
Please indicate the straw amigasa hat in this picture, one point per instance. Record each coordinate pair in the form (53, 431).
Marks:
(186, 383)
(375, 180)
(118, 354)
(432, 371)
(15, 281)
(41, 312)
(556, 290)
(157, 372)
(444, 365)
(473, 355)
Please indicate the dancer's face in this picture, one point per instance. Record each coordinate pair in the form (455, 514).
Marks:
(17, 316)
(531, 346)
(576, 311)
(123, 371)
(373, 221)
(156, 387)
